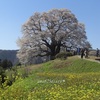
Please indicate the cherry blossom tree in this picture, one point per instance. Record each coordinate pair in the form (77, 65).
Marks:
(45, 33)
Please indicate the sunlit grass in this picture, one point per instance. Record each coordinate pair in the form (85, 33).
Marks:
(70, 79)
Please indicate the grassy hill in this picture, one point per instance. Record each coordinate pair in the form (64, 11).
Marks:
(71, 79)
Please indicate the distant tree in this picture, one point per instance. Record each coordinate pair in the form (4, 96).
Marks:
(45, 33)
(2, 76)
(6, 64)
(9, 64)
(0, 62)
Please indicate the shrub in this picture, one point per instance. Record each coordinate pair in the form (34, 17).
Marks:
(69, 54)
(10, 77)
(61, 55)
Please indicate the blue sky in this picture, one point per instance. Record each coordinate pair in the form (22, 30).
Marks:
(14, 13)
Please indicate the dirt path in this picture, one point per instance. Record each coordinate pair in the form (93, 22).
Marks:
(89, 59)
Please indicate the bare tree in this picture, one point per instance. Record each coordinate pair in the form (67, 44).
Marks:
(45, 33)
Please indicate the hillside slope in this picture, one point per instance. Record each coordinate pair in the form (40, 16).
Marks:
(9, 55)
(71, 79)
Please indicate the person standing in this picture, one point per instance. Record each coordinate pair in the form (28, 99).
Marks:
(82, 53)
(78, 51)
(86, 52)
(97, 52)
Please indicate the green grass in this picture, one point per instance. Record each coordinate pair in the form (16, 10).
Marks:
(71, 79)
(71, 65)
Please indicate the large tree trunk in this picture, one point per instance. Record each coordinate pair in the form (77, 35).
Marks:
(55, 49)
(58, 48)
(53, 53)
(52, 57)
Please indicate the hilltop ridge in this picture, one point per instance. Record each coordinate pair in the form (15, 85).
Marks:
(9, 55)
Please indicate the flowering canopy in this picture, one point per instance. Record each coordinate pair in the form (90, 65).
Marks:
(45, 33)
